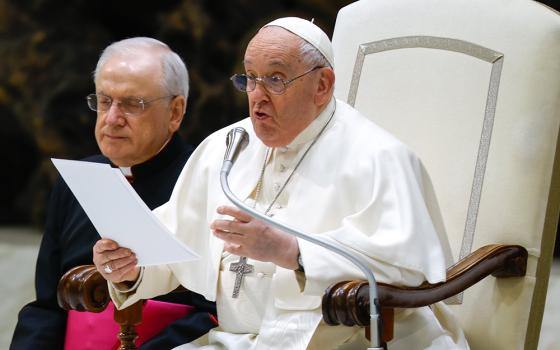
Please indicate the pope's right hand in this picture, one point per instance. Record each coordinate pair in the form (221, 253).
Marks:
(115, 263)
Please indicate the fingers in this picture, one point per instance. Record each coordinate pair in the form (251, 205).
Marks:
(229, 232)
(119, 270)
(116, 255)
(113, 256)
(228, 226)
(234, 212)
(127, 272)
(115, 263)
(235, 249)
(230, 237)
(106, 250)
(104, 245)
(239, 237)
(119, 263)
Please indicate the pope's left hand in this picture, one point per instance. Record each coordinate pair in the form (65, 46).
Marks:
(246, 236)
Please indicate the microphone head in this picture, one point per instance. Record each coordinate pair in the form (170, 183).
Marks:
(237, 139)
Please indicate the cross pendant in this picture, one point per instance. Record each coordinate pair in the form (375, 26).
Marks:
(241, 268)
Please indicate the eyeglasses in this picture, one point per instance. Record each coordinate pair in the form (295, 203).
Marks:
(128, 105)
(274, 84)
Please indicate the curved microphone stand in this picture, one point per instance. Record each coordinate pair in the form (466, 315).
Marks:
(237, 139)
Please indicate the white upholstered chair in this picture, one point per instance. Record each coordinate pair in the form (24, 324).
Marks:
(473, 87)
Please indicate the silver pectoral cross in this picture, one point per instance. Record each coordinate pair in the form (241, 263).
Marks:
(241, 268)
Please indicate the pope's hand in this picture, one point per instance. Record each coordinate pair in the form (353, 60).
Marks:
(115, 263)
(247, 236)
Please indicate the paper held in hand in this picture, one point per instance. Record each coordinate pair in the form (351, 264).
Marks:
(118, 213)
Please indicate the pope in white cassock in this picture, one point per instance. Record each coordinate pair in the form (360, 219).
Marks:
(318, 165)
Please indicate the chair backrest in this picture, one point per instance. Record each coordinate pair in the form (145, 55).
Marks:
(473, 87)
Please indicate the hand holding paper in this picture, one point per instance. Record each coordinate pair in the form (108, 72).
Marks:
(115, 263)
(118, 213)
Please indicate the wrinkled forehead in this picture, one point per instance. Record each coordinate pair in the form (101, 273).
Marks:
(130, 75)
(274, 46)
(132, 64)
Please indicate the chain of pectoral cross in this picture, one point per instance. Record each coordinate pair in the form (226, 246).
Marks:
(242, 268)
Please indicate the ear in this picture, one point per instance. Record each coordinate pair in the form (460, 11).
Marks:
(178, 108)
(325, 86)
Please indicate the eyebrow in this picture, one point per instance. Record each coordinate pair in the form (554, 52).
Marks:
(123, 98)
(273, 63)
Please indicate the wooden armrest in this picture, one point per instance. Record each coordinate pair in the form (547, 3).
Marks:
(83, 288)
(347, 302)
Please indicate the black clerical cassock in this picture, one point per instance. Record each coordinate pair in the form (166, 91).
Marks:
(68, 240)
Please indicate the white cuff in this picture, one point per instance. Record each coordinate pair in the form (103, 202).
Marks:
(117, 286)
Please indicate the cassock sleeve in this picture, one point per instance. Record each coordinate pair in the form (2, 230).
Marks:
(393, 230)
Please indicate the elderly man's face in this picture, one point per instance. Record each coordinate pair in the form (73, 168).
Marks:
(132, 139)
(278, 119)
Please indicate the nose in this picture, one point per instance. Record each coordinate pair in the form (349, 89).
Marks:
(114, 115)
(259, 94)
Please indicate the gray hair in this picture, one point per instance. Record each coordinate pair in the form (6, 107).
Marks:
(175, 74)
(311, 56)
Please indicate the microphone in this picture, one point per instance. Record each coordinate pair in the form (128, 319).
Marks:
(237, 139)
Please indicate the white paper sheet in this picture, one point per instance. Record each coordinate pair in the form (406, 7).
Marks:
(118, 213)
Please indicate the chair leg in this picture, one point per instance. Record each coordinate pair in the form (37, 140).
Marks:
(128, 319)
(127, 336)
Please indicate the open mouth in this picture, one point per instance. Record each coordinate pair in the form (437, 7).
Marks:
(260, 115)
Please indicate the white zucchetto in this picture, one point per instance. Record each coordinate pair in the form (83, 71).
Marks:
(309, 32)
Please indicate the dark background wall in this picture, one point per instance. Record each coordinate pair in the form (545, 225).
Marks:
(49, 48)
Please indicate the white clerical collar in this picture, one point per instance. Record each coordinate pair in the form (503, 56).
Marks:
(126, 170)
(313, 129)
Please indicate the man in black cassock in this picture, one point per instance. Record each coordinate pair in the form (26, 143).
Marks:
(140, 99)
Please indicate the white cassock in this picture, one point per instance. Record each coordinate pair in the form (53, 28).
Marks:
(359, 187)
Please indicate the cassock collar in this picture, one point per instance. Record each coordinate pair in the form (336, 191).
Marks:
(161, 160)
(315, 127)
(126, 170)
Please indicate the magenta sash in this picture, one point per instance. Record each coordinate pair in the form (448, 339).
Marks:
(98, 331)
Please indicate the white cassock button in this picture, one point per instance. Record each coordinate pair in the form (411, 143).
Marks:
(283, 149)
(276, 187)
(260, 275)
(282, 168)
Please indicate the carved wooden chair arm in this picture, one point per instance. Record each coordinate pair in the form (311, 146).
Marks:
(83, 288)
(347, 302)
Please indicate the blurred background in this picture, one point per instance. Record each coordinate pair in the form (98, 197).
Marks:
(48, 50)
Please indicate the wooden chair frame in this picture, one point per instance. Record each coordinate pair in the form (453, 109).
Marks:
(347, 303)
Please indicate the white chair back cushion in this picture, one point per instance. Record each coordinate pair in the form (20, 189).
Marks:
(473, 87)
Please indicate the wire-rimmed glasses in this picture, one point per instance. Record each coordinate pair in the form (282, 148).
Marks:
(273, 84)
(128, 105)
